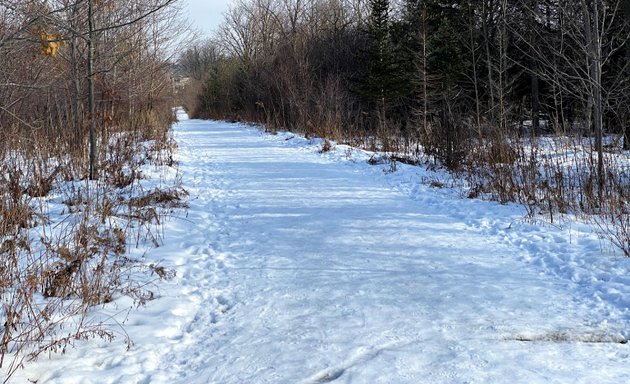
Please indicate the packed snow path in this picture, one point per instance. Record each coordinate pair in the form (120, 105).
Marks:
(299, 267)
(312, 272)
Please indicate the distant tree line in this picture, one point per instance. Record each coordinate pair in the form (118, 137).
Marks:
(436, 73)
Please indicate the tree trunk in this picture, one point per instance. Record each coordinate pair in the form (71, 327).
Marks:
(425, 93)
(474, 68)
(77, 75)
(535, 95)
(535, 98)
(76, 96)
(594, 57)
(625, 122)
(487, 15)
(91, 102)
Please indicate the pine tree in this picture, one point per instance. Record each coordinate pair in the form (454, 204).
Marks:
(382, 83)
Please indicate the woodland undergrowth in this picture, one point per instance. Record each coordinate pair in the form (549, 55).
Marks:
(65, 240)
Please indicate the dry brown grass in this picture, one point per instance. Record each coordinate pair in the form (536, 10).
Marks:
(54, 270)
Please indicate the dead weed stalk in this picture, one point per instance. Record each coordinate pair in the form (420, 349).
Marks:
(55, 268)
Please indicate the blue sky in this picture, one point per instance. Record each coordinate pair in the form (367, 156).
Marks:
(206, 15)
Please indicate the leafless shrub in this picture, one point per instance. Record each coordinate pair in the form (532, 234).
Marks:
(615, 226)
(326, 146)
(392, 165)
(375, 159)
(613, 210)
(59, 274)
(436, 184)
(172, 198)
(40, 185)
(53, 269)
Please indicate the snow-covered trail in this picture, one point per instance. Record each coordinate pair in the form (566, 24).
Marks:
(297, 267)
(308, 271)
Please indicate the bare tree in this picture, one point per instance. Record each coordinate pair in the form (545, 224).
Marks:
(579, 40)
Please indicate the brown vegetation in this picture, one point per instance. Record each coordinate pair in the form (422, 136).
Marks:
(85, 100)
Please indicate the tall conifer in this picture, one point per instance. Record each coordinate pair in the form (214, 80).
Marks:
(382, 83)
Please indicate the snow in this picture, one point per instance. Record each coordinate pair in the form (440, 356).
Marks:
(295, 266)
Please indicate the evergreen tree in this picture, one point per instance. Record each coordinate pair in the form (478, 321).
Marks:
(382, 83)
(435, 67)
